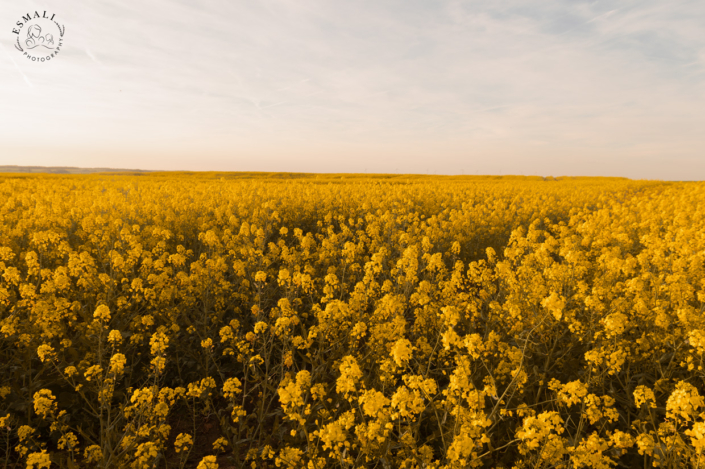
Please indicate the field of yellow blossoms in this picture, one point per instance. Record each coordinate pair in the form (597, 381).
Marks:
(345, 321)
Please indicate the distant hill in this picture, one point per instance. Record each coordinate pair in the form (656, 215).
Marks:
(65, 170)
(314, 177)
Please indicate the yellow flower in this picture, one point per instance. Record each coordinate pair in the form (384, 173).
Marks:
(117, 363)
(45, 352)
(226, 334)
(333, 435)
(697, 436)
(535, 430)
(615, 324)
(158, 364)
(183, 442)
(25, 432)
(260, 276)
(93, 454)
(373, 402)
(555, 304)
(197, 389)
(102, 313)
(146, 452)
(359, 330)
(38, 460)
(44, 403)
(158, 343)
(292, 394)
(68, 441)
(349, 375)
(208, 462)
(220, 444)
(401, 351)
(696, 339)
(231, 387)
(115, 337)
(572, 393)
(288, 359)
(644, 395)
(93, 372)
(646, 444)
(207, 344)
(289, 457)
(622, 440)
(684, 402)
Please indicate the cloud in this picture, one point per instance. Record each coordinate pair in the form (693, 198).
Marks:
(24, 77)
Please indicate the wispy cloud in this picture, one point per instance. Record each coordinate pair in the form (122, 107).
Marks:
(11, 58)
(93, 58)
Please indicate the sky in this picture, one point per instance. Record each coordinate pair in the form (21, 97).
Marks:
(534, 87)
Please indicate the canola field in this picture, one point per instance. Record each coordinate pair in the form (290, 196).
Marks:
(347, 321)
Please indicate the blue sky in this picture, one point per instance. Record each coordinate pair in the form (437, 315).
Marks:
(448, 87)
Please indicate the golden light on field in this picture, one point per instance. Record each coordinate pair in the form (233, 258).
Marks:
(346, 321)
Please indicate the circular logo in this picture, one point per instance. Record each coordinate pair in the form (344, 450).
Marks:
(39, 36)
